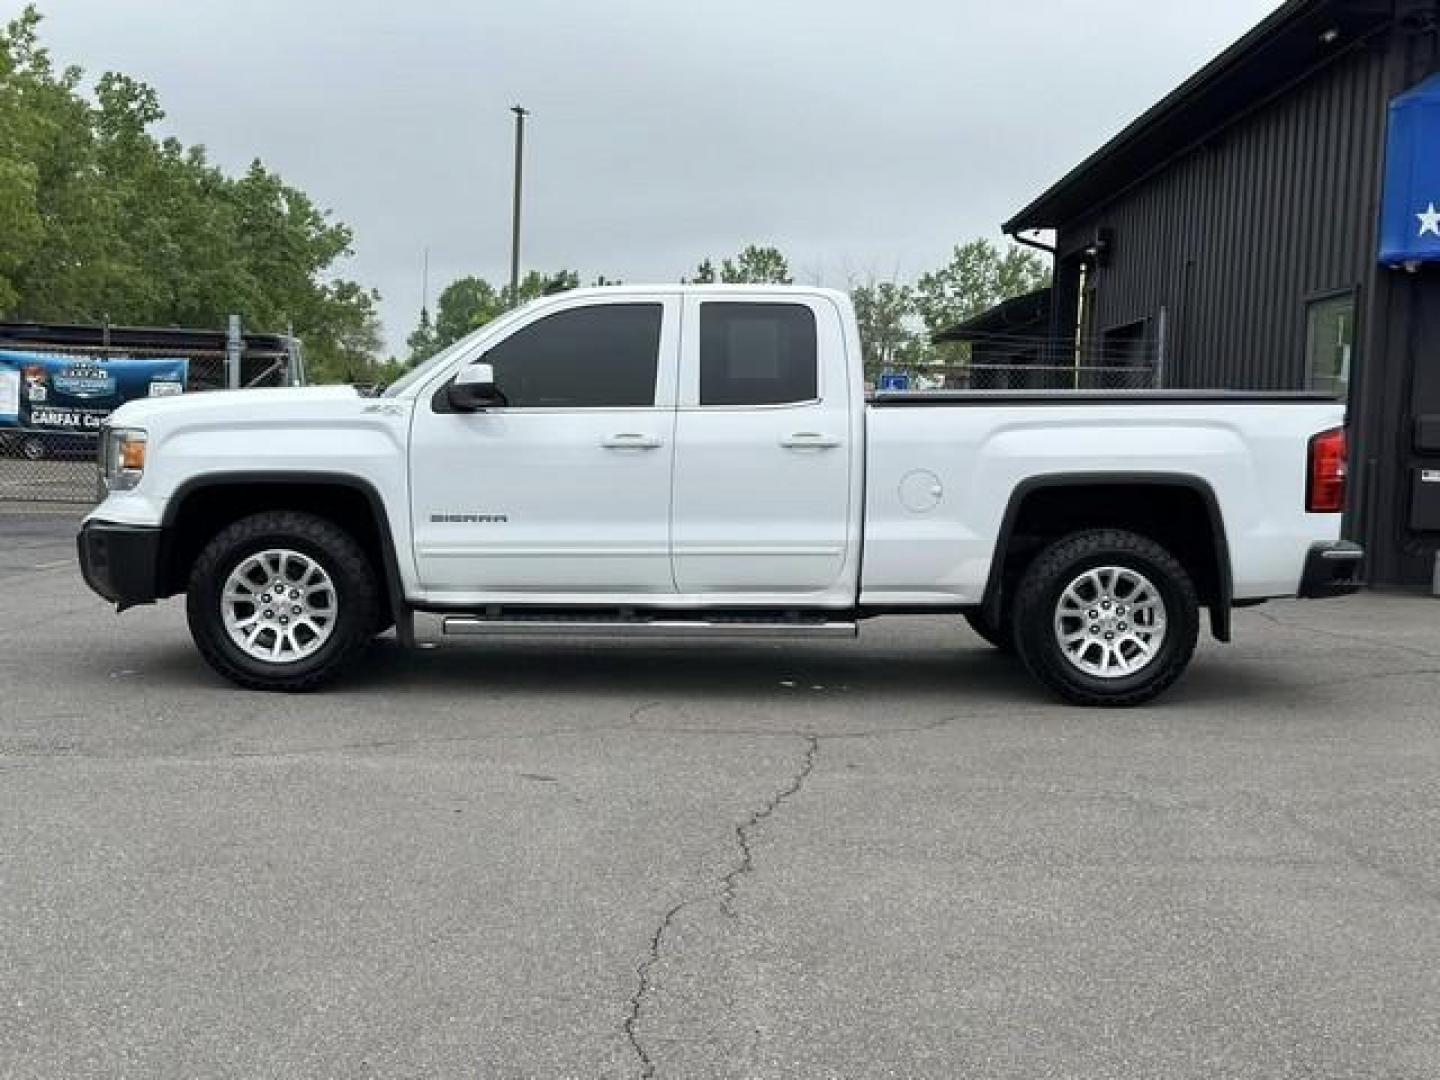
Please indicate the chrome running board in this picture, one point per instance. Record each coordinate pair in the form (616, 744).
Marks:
(470, 625)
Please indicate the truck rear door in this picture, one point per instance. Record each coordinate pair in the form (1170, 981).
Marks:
(767, 452)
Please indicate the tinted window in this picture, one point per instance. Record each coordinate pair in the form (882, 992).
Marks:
(586, 358)
(757, 354)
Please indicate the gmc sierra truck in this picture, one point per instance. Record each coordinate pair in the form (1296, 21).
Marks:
(703, 461)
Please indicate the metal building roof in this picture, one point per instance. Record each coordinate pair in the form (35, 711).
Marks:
(1018, 314)
(1297, 38)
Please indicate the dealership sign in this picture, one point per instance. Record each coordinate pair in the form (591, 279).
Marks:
(77, 393)
(1410, 216)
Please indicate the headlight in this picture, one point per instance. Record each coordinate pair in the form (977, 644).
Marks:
(122, 458)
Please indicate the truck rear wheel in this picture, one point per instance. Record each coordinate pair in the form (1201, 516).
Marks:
(1106, 618)
(281, 601)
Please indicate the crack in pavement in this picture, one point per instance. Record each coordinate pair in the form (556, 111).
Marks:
(742, 832)
(725, 894)
(645, 985)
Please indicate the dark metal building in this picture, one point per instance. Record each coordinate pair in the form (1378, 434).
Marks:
(1229, 238)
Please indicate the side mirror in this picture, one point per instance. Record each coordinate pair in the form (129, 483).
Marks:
(474, 389)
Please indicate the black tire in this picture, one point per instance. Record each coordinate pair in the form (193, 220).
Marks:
(355, 586)
(1042, 587)
(1001, 637)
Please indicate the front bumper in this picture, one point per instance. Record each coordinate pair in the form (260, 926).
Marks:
(121, 562)
(1333, 570)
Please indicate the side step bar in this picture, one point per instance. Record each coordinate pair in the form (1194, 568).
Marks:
(469, 625)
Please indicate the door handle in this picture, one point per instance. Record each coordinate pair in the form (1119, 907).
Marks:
(810, 440)
(631, 440)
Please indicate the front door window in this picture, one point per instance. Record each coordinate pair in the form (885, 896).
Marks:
(599, 357)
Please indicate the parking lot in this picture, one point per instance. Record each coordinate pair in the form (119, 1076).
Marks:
(886, 859)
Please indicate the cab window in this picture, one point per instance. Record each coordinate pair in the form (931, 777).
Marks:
(601, 357)
(757, 354)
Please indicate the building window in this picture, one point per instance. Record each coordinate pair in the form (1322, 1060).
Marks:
(1330, 343)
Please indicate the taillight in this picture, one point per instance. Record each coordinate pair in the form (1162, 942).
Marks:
(1325, 490)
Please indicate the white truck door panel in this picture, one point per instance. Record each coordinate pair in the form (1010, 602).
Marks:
(765, 451)
(565, 489)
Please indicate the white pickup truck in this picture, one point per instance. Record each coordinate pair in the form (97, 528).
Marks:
(702, 460)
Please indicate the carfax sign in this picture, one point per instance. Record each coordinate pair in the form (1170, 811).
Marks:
(76, 393)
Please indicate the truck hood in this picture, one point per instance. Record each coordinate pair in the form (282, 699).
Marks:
(283, 404)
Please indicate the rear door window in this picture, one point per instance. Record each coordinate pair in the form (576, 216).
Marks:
(757, 354)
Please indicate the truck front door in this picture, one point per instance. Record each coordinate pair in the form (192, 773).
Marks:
(563, 492)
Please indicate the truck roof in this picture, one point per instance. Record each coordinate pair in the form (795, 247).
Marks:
(669, 288)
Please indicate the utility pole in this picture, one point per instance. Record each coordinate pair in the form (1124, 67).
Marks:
(520, 115)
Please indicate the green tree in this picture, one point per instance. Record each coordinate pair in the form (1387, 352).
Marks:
(51, 216)
(465, 304)
(757, 266)
(889, 326)
(468, 303)
(100, 220)
(754, 265)
(534, 285)
(343, 342)
(21, 226)
(423, 342)
(978, 276)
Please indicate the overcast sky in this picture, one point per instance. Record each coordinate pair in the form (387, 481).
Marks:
(863, 139)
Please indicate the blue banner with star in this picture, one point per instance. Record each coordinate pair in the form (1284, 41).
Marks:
(1410, 213)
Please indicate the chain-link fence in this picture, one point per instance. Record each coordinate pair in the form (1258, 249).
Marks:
(48, 450)
(989, 357)
(1022, 377)
(1060, 377)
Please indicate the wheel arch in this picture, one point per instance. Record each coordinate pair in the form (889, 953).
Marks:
(205, 504)
(1044, 508)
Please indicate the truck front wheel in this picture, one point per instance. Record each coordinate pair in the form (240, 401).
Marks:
(1106, 618)
(281, 601)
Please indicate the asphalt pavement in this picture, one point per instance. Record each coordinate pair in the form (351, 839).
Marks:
(890, 858)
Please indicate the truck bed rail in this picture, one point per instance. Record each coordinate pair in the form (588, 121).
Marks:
(922, 398)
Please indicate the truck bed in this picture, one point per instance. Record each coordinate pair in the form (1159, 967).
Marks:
(942, 481)
(921, 398)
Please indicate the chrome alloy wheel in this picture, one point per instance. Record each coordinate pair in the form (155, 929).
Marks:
(1110, 622)
(279, 606)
